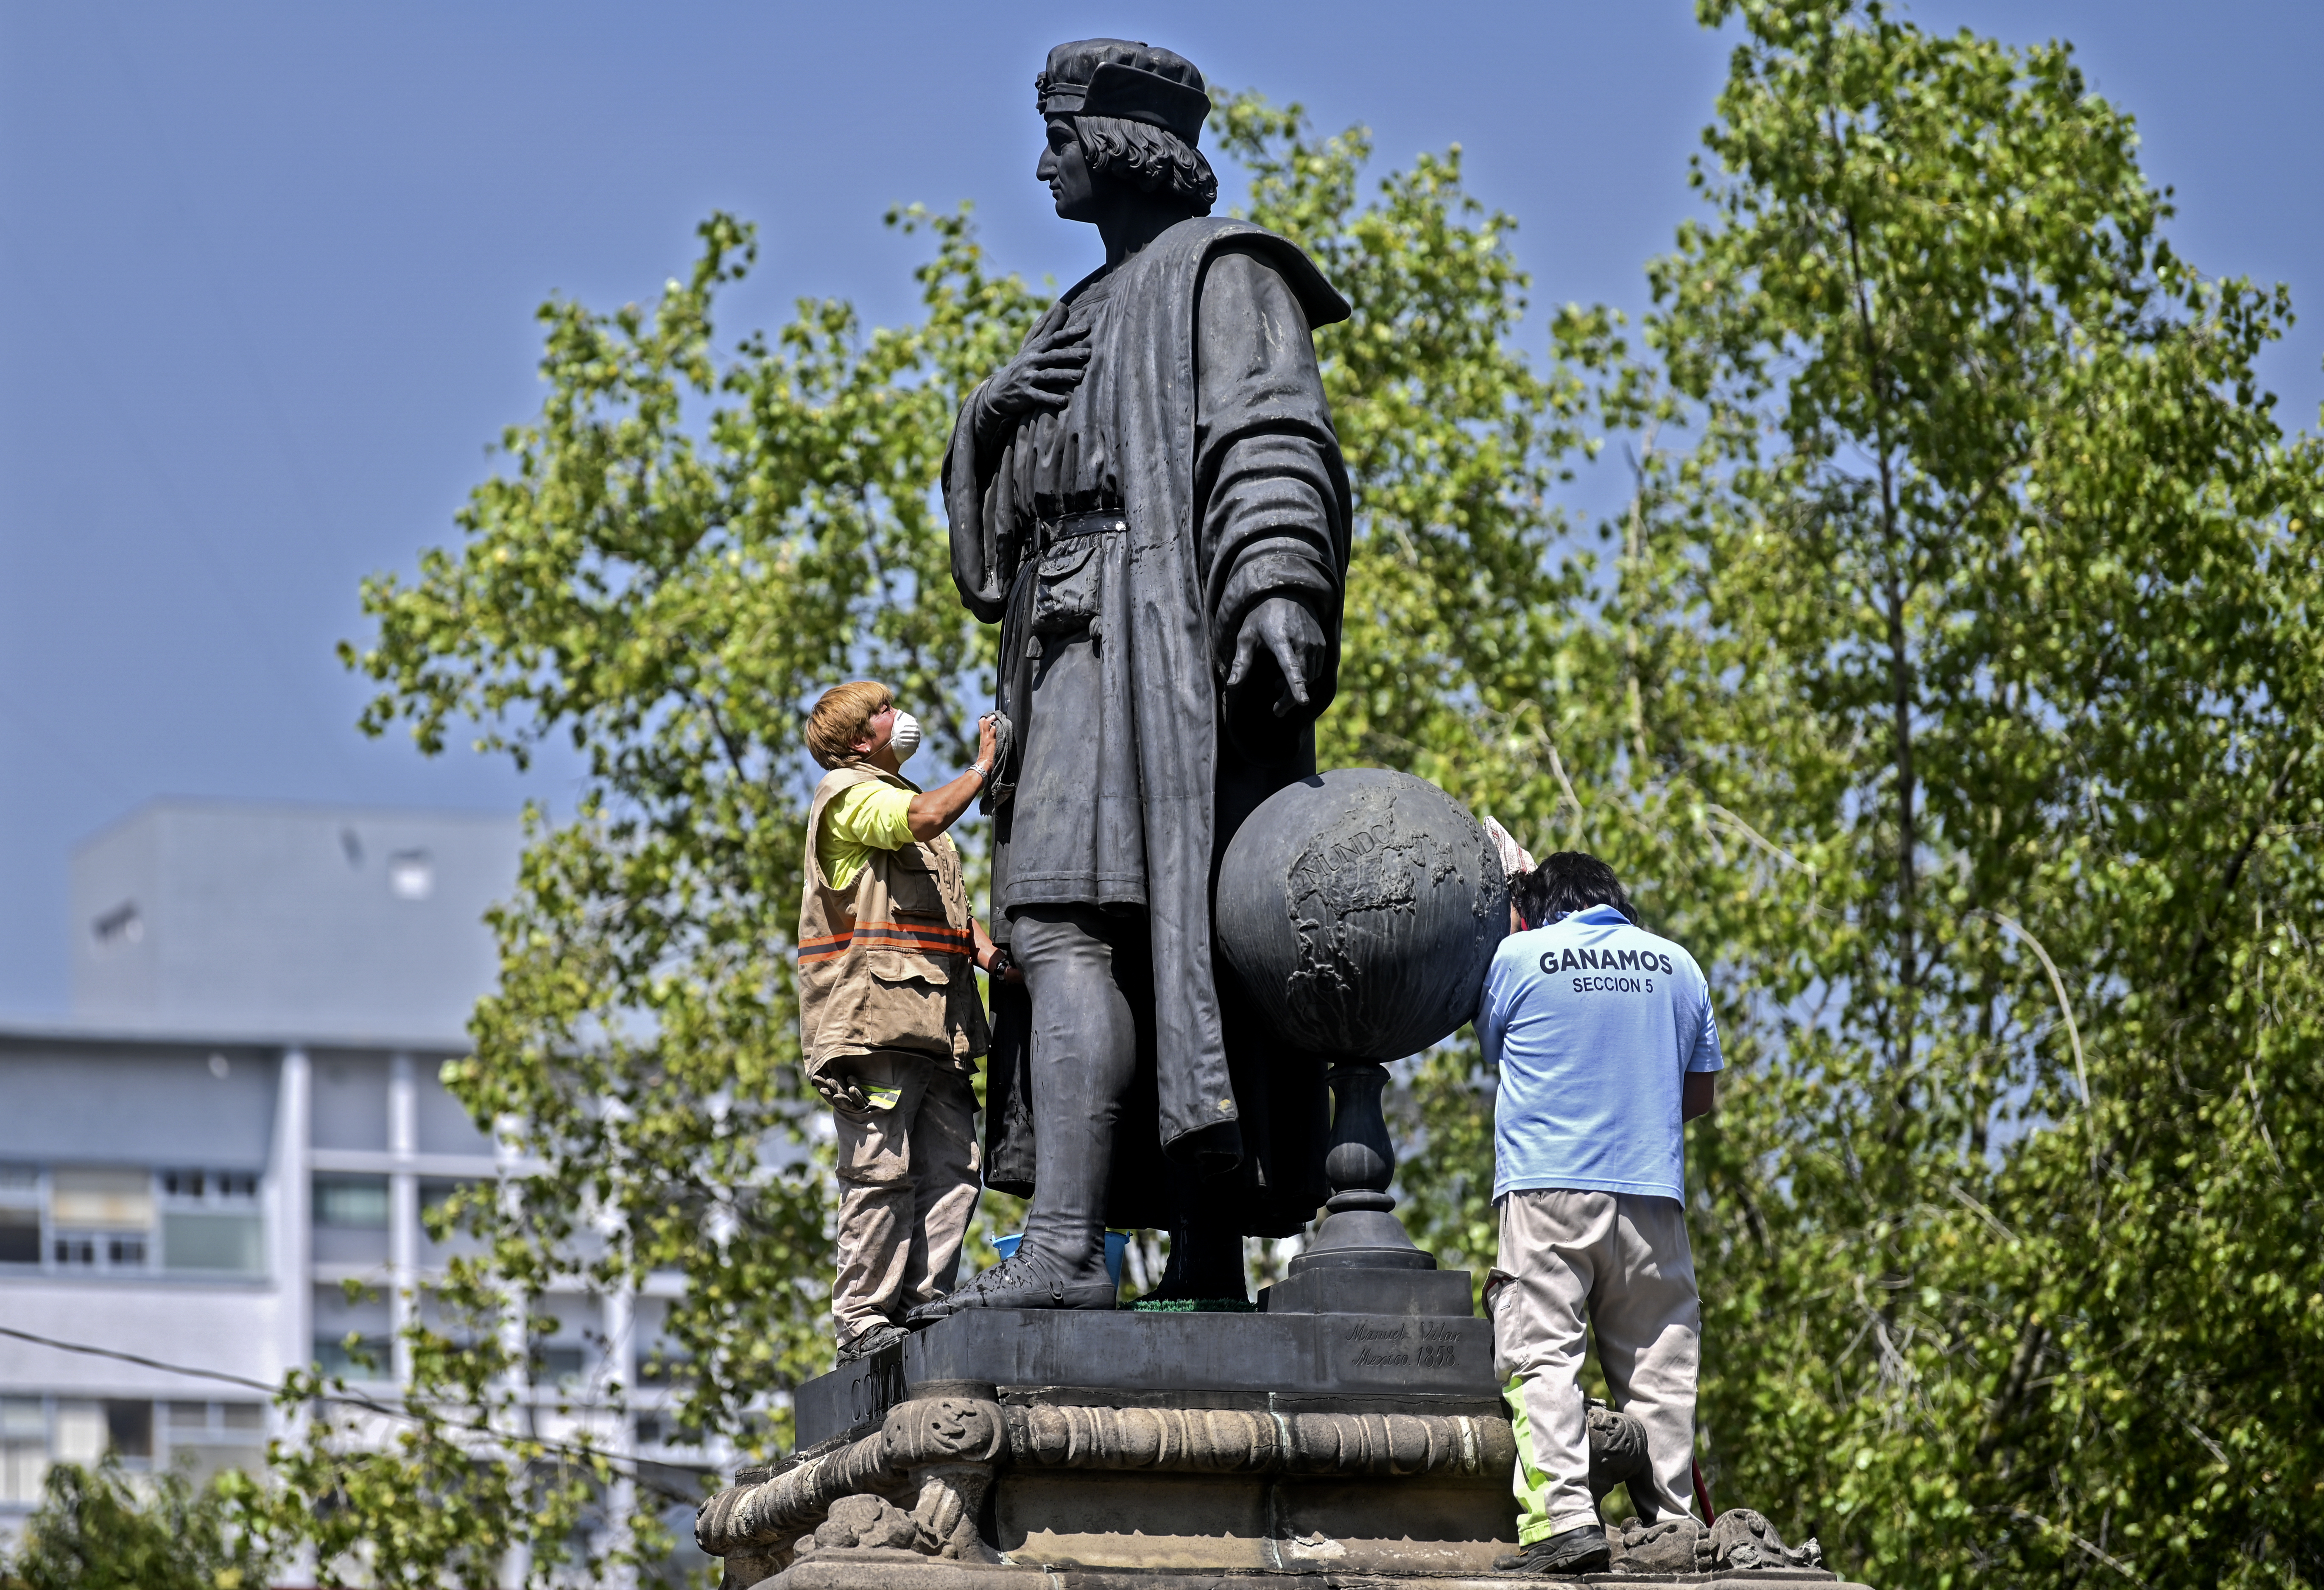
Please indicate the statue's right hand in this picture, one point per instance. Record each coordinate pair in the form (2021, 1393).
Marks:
(1041, 377)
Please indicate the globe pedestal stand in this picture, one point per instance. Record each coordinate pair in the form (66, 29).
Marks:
(1361, 1260)
(1360, 1231)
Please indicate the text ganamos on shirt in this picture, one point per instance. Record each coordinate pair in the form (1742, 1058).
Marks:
(1642, 961)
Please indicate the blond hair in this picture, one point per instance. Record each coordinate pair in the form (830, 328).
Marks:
(838, 719)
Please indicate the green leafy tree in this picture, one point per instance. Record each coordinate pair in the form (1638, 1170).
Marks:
(99, 1529)
(1974, 753)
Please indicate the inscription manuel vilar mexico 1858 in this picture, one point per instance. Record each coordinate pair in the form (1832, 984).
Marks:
(1424, 1343)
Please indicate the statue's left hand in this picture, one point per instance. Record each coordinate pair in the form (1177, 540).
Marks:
(1290, 633)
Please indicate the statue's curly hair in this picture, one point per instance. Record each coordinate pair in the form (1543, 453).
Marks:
(1150, 159)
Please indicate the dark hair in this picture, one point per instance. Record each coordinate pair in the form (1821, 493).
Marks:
(1568, 881)
(1147, 158)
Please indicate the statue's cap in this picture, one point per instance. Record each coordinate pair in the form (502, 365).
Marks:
(1124, 78)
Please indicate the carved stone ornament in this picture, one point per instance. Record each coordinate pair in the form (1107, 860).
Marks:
(1742, 1541)
(1665, 1547)
(939, 1450)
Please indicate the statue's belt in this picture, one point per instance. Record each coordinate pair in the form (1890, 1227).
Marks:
(1048, 533)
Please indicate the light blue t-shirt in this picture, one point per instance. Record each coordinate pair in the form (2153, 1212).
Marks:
(1593, 1025)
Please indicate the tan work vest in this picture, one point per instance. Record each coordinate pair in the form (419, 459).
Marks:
(889, 962)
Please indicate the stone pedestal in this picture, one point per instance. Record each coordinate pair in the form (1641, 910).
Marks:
(1284, 1441)
(1150, 1450)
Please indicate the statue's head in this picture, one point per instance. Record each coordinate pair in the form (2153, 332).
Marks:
(1123, 115)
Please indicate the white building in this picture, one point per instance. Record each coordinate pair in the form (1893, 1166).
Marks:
(242, 1114)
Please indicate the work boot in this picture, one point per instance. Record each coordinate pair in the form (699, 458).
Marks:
(873, 1338)
(1563, 1556)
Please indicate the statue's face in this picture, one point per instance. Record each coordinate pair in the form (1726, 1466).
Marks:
(1067, 173)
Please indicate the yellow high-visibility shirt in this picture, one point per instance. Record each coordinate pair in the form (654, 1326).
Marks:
(870, 816)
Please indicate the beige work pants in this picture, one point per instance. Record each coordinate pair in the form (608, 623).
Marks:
(909, 1177)
(1617, 1265)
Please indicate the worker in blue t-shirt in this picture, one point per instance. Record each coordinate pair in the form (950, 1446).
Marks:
(1603, 1037)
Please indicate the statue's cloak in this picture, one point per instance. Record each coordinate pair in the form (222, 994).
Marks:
(1260, 1107)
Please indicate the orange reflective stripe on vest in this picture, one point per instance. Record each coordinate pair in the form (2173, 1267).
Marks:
(925, 939)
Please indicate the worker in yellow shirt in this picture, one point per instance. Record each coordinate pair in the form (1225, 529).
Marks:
(892, 1023)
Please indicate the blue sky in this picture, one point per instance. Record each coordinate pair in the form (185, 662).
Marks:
(267, 275)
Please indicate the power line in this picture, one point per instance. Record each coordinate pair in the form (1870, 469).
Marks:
(633, 1472)
(137, 1358)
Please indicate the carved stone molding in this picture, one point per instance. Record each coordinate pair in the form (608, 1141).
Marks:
(1224, 1441)
(944, 1450)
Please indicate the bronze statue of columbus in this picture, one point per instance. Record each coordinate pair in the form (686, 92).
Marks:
(1149, 500)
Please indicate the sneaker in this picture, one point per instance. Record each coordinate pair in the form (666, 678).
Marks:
(872, 1339)
(1567, 1555)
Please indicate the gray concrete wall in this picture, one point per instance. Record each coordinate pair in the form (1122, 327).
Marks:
(148, 1105)
(292, 920)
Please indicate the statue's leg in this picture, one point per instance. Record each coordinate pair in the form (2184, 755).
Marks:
(1085, 1055)
(1207, 1244)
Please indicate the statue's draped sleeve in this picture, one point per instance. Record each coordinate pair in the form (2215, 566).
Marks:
(1267, 462)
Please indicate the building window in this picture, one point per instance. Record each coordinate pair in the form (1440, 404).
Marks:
(103, 1219)
(23, 1448)
(20, 1215)
(210, 1187)
(663, 1429)
(223, 1245)
(210, 1222)
(77, 1433)
(353, 1358)
(35, 1432)
(558, 1366)
(129, 1428)
(207, 1438)
(357, 1202)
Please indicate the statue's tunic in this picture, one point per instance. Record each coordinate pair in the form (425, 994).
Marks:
(1120, 541)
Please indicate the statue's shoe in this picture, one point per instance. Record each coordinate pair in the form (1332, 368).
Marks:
(1016, 1282)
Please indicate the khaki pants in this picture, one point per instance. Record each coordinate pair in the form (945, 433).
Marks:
(1619, 1266)
(909, 1176)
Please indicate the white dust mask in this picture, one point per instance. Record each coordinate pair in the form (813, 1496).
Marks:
(905, 737)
